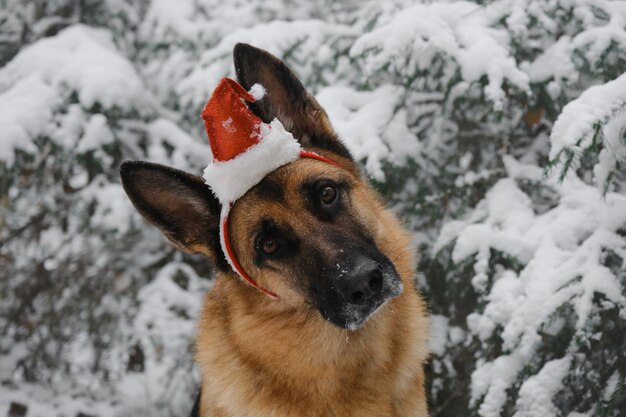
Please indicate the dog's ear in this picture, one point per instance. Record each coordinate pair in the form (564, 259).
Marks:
(179, 204)
(286, 99)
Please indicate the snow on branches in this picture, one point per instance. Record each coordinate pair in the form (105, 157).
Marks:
(497, 129)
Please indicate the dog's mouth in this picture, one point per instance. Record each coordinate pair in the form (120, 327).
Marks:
(352, 315)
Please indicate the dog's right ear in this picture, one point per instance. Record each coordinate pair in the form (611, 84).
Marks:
(286, 99)
(178, 203)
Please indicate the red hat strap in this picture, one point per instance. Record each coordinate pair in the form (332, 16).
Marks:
(232, 259)
(313, 155)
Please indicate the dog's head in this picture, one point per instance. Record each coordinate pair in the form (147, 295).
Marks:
(309, 231)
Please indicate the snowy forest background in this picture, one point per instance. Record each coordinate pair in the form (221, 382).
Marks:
(496, 129)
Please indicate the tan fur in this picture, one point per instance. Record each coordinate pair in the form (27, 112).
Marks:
(276, 358)
(262, 357)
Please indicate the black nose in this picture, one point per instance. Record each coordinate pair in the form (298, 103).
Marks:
(363, 283)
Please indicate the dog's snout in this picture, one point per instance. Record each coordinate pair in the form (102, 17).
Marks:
(367, 287)
(364, 283)
(354, 284)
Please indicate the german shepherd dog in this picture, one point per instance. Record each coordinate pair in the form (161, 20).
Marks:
(348, 334)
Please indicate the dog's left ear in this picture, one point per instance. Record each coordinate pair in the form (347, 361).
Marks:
(286, 99)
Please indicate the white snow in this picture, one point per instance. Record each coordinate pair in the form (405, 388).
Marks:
(257, 91)
(304, 39)
(111, 212)
(26, 111)
(555, 62)
(459, 29)
(97, 134)
(42, 403)
(535, 395)
(561, 248)
(186, 150)
(81, 60)
(575, 126)
(438, 334)
(367, 124)
(390, 75)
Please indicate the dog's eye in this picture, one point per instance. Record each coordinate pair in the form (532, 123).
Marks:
(270, 246)
(273, 243)
(328, 194)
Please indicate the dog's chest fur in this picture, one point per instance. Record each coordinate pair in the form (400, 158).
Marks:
(256, 367)
(259, 358)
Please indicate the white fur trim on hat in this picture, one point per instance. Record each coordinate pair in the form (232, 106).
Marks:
(230, 180)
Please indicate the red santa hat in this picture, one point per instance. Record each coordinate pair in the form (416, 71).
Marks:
(245, 150)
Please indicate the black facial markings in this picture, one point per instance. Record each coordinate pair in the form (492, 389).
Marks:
(329, 142)
(269, 189)
(284, 236)
(311, 270)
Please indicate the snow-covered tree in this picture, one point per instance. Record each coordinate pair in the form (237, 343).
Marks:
(77, 263)
(496, 129)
